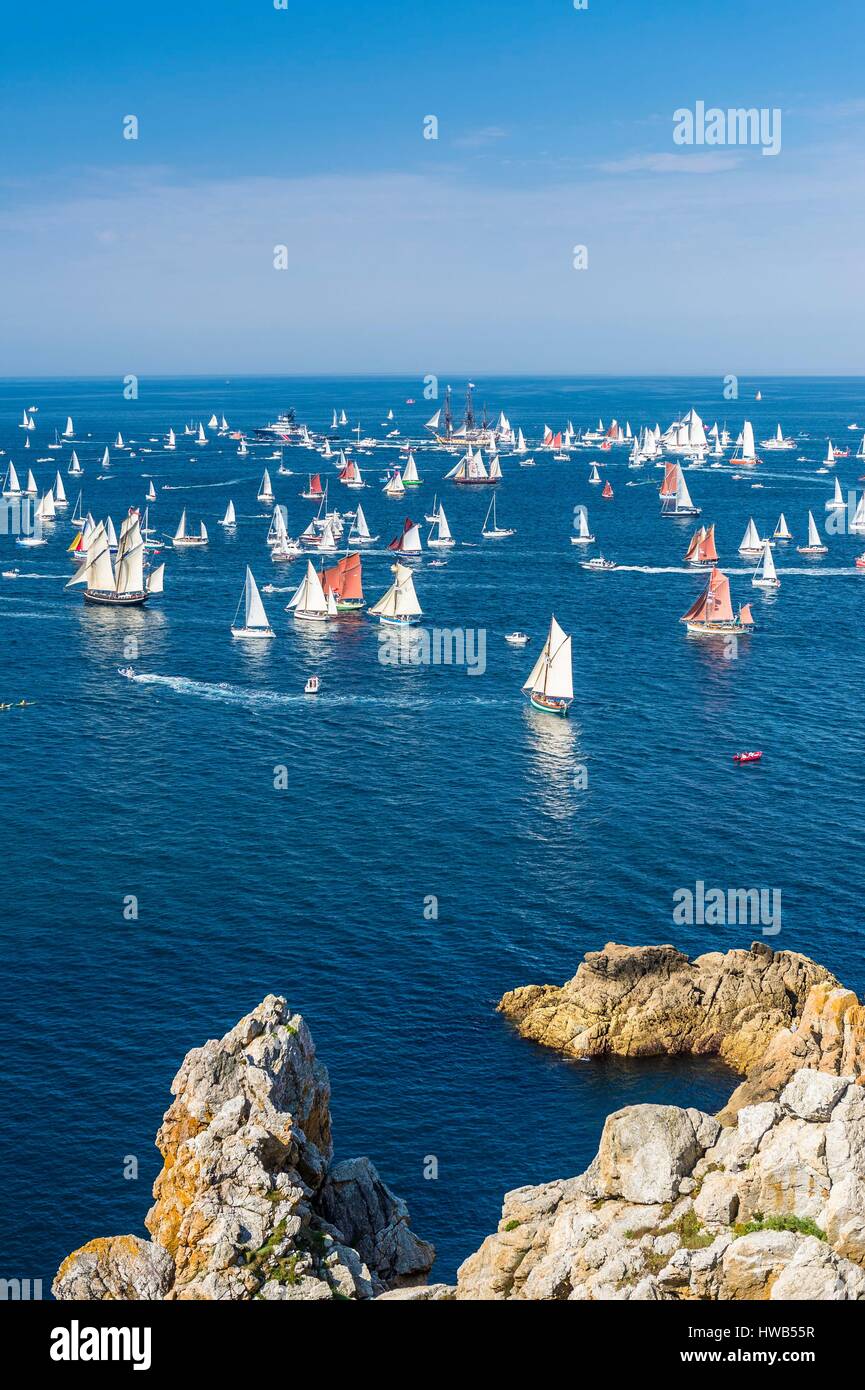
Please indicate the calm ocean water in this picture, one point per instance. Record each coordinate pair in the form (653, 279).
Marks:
(403, 783)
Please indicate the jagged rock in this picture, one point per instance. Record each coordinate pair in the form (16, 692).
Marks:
(788, 1173)
(646, 1150)
(844, 1218)
(817, 1273)
(354, 1199)
(751, 1265)
(123, 1267)
(718, 1198)
(812, 1095)
(640, 1001)
(247, 1204)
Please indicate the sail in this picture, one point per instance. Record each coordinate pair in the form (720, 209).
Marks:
(551, 674)
(782, 532)
(751, 539)
(360, 524)
(745, 615)
(69, 431)
(31, 483)
(401, 600)
(714, 604)
(748, 451)
(668, 486)
(838, 496)
(495, 467)
(813, 533)
(444, 530)
(409, 541)
(707, 549)
(106, 458)
(583, 524)
(97, 572)
(202, 531)
(171, 439)
(309, 595)
(74, 465)
(394, 486)
(858, 522)
(683, 496)
(59, 490)
(156, 580)
(180, 533)
(410, 473)
(202, 437)
(766, 568)
(255, 615)
(130, 564)
(693, 551)
(213, 423)
(265, 490)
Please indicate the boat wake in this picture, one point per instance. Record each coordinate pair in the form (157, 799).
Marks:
(198, 487)
(225, 693)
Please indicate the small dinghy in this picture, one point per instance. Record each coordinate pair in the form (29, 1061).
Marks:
(312, 686)
(517, 639)
(747, 757)
(127, 671)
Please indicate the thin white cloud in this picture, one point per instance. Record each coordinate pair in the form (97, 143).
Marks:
(478, 139)
(671, 164)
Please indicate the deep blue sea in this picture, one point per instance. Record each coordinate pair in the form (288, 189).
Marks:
(403, 783)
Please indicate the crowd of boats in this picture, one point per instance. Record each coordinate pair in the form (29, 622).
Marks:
(126, 568)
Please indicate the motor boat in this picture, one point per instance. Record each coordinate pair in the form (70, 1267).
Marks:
(753, 757)
(517, 639)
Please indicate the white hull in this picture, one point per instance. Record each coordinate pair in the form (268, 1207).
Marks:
(252, 632)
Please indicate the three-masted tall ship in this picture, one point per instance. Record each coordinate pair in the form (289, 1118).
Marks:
(118, 583)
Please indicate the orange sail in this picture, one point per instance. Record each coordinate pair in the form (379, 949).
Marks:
(344, 579)
(745, 615)
(315, 483)
(556, 441)
(707, 549)
(347, 474)
(713, 605)
(671, 481)
(693, 553)
(608, 491)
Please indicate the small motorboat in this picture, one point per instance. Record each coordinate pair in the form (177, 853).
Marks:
(11, 574)
(517, 639)
(753, 757)
(598, 563)
(127, 671)
(312, 685)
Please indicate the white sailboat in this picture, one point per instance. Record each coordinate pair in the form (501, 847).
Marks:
(25, 421)
(230, 518)
(69, 432)
(410, 474)
(782, 531)
(11, 483)
(752, 544)
(213, 424)
(765, 575)
(242, 449)
(151, 491)
(550, 686)
(747, 453)
(201, 437)
(308, 602)
(836, 502)
(359, 530)
(182, 539)
(521, 447)
(857, 523)
(74, 470)
(440, 532)
(171, 442)
(594, 476)
(829, 461)
(399, 606)
(45, 509)
(584, 535)
(255, 622)
(265, 491)
(394, 486)
(815, 544)
(60, 499)
(343, 418)
(118, 443)
(106, 459)
(494, 532)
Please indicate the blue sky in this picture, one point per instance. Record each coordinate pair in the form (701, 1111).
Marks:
(261, 127)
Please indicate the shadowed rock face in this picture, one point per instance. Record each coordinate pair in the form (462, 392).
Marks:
(247, 1204)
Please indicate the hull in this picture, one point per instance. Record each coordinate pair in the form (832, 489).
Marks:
(110, 600)
(812, 549)
(441, 545)
(304, 617)
(396, 622)
(476, 482)
(252, 632)
(190, 543)
(547, 706)
(717, 629)
(351, 605)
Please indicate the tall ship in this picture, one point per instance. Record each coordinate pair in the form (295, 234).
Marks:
(470, 431)
(118, 583)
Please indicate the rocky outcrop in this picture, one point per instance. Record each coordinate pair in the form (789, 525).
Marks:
(648, 1001)
(248, 1203)
(675, 1206)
